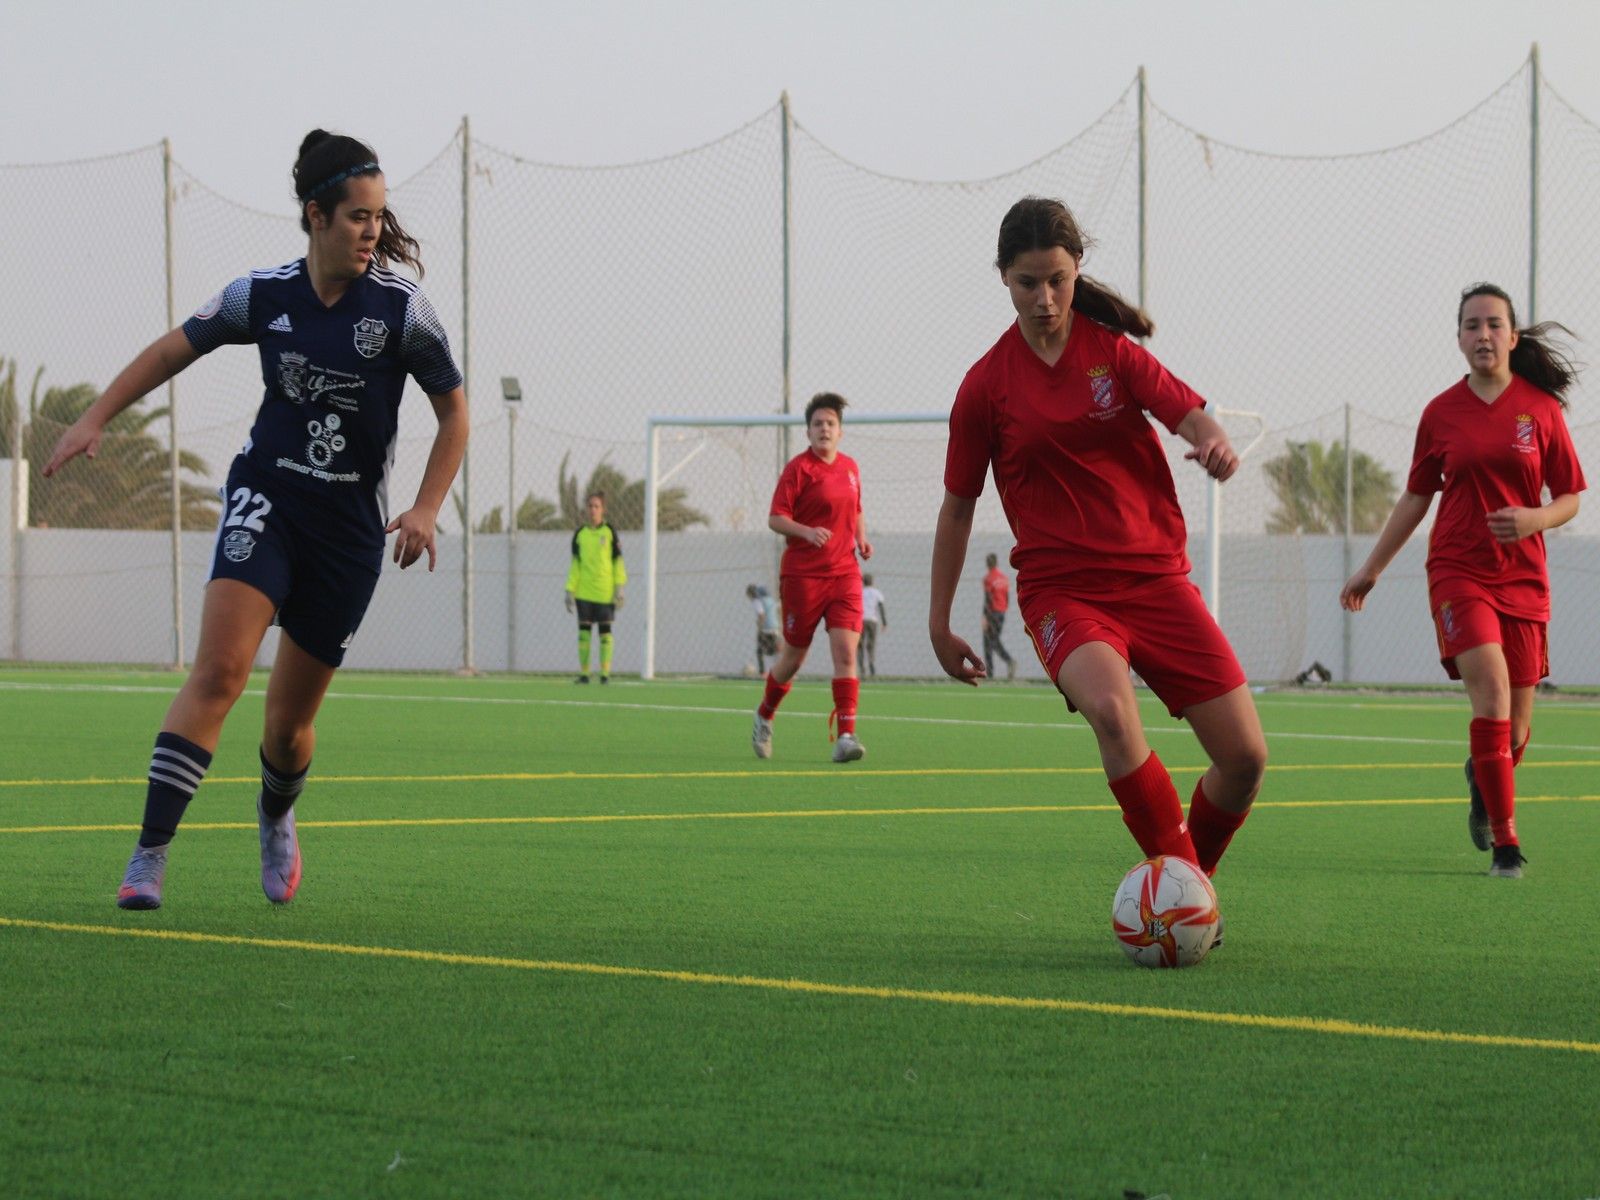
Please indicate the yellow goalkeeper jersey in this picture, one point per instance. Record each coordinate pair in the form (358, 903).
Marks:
(597, 569)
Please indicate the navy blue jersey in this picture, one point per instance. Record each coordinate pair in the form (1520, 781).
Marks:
(325, 433)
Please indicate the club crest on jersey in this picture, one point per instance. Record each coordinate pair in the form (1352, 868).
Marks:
(1524, 438)
(1102, 390)
(371, 334)
(238, 545)
(292, 375)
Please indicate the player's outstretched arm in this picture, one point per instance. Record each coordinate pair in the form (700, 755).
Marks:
(1402, 523)
(1212, 449)
(950, 538)
(417, 526)
(156, 363)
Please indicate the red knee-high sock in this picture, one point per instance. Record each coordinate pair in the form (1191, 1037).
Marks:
(1152, 811)
(1211, 829)
(1517, 751)
(772, 697)
(1490, 740)
(846, 695)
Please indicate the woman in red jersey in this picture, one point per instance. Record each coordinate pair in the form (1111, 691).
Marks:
(1057, 408)
(817, 507)
(1491, 444)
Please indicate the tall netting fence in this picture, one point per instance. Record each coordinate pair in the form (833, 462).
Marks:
(751, 272)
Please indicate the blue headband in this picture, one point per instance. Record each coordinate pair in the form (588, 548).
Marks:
(339, 178)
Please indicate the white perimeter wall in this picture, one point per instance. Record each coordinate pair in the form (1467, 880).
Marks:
(96, 596)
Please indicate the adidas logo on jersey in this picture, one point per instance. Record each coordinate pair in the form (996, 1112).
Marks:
(281, 325)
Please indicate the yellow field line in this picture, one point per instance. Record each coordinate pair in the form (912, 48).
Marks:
(763, 815)
(1317, 1025)
(834, 773)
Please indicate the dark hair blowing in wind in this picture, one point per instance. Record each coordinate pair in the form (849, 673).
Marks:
(322, 174)
(1038, 223)
(1536, 357)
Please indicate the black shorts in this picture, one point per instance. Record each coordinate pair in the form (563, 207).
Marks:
(591, 613)
(321, 587)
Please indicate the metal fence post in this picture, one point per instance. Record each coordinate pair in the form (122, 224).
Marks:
(1533, 184)
(467, 659)
(172, 423)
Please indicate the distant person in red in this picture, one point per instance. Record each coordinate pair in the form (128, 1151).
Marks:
(1057, 409)
(1491, 444)
(817, 507)
(996, 599)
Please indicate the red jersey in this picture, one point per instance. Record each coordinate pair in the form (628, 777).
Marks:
(1485, 457)
(1080, 470)
(996, 591)
(813, 492)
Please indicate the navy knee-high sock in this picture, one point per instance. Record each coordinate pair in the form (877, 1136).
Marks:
(177, 766)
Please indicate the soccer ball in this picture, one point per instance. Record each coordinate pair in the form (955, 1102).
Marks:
(1165, 913)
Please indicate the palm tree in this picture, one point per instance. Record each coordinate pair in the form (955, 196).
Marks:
(8, 406)
(1308, 481)
(128, 486)
(533, 514)
(624, 500)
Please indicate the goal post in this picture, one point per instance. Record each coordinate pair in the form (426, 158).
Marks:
(1213, 578)
(717, 475)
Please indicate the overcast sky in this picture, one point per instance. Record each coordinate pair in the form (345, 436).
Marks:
(937, 90)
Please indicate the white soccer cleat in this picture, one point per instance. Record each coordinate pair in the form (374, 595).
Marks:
(761, 737)
(847, 749)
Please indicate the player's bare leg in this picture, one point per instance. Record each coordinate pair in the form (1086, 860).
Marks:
(1095, 679)
(294, 694)
(1229, 729)
(233, 620)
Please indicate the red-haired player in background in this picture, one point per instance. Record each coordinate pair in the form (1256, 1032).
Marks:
(1057, 408)
(817, 507)
(1491, 444)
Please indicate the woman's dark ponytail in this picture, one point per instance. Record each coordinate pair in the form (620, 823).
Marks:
(322, 173)
(1039, 223)
(1537, 356)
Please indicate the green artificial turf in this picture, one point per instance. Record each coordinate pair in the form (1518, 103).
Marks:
(806, 980)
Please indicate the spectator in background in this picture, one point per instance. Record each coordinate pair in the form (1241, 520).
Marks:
(874, 617)
(996, 599)
(767, 624)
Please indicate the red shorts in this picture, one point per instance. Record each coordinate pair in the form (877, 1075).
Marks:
(1167, 635)
(1464, 618)
(809, 600)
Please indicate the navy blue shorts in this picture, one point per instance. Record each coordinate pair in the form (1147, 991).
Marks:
(320, 587)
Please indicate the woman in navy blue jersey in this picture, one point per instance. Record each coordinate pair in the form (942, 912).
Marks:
(304, 517)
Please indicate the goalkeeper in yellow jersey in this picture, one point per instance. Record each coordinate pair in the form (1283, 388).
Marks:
(594, 584)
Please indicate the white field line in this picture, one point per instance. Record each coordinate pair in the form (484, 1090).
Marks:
(712, 710)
